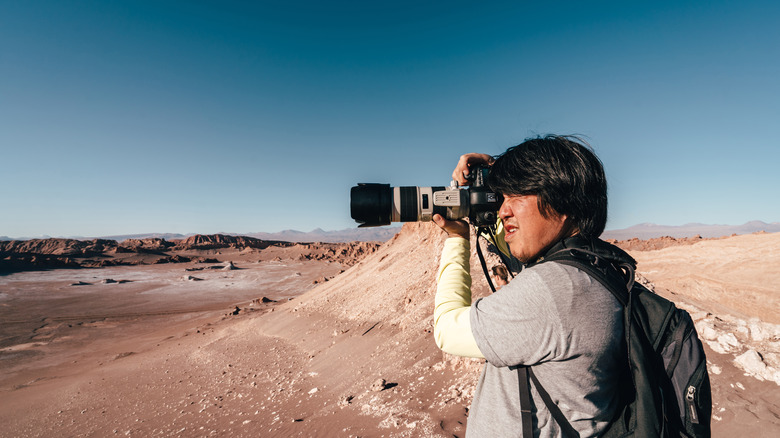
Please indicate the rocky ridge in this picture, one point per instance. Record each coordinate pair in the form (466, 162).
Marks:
(54, 253)
(636, 244)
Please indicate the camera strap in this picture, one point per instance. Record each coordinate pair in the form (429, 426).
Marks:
(482, 261)
(485, 232)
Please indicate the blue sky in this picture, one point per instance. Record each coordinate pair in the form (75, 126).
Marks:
(153, 116)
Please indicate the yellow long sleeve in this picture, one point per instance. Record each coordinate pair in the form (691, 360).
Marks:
(451, 323)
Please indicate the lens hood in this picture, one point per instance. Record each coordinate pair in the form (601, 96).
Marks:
(371, 204)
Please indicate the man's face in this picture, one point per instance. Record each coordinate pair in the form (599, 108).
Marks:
(528, 232)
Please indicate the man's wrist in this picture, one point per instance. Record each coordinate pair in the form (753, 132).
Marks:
(457, 239)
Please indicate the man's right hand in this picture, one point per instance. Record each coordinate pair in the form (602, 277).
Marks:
(468, 161)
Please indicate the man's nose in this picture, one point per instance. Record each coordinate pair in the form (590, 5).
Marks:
(504, 212)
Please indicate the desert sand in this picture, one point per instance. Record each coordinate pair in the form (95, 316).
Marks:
(161, 350)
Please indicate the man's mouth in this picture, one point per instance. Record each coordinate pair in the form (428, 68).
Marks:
(510, 229)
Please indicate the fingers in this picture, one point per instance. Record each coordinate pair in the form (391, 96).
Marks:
(466, 162)
(442, 222)
(456, 228)
(461, 170)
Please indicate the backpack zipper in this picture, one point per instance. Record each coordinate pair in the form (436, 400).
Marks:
(690, 397)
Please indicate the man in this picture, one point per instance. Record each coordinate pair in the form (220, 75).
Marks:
(551, 316)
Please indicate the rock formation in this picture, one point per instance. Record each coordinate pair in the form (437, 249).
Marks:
(39, 254)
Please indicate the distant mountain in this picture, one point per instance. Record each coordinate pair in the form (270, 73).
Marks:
(118, 238)
(369, 234)
(166, 236)
(649, 231)
(8, 239)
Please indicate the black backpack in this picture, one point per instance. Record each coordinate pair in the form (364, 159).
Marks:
(669, 394)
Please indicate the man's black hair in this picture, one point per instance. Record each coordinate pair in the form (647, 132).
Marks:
(563, 172)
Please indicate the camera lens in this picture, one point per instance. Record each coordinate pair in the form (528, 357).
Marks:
(379, 204)
(371, 204)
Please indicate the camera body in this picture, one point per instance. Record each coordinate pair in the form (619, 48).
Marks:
(375, 205)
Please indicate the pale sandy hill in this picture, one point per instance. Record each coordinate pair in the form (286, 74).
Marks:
(373, 323)
(394, 286)
(739, 275)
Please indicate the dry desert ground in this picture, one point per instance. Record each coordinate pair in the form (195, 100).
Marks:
(338, 347)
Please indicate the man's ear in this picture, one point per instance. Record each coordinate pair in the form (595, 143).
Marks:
(570, 227)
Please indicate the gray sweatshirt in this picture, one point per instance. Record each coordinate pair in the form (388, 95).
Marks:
(569, 328)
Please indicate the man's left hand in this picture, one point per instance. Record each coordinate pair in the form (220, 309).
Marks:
(456, 228)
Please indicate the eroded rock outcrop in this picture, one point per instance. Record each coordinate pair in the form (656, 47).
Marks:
(215, 241)
(60, 247)
(55, 253)
(656, 243)
(150, 244)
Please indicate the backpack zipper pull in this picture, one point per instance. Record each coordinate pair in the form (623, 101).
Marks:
(690, 401)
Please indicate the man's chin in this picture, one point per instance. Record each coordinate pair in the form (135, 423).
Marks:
(516, 254)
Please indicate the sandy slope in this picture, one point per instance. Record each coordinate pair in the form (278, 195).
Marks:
(730, 287)
(739, 275)
(355, 357)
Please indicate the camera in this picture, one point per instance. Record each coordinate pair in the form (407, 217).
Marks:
(374, 205)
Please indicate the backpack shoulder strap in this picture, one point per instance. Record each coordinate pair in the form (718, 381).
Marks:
(616, 279)
(525, 402)
(523, 374)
